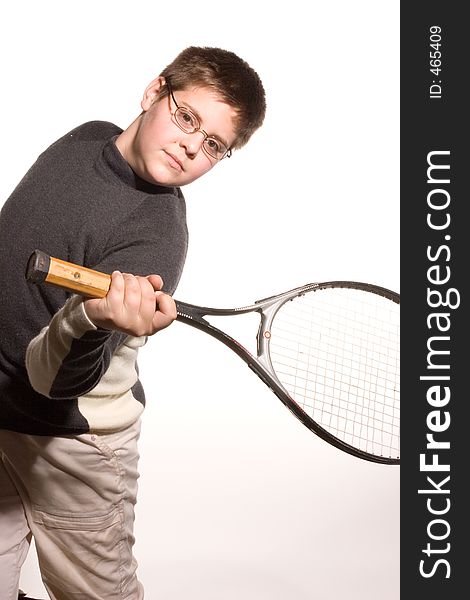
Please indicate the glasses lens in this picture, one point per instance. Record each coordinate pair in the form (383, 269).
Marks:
(186, 120)
(215, 148)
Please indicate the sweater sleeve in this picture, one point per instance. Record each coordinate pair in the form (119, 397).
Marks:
(68, 358)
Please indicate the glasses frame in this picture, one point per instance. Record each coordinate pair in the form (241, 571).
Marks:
(227, 153)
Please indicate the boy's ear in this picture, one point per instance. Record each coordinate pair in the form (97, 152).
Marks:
(151, 92)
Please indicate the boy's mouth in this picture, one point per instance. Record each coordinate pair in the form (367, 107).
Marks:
(174, 161)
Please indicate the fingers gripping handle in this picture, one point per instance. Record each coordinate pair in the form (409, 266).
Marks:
(87, 282)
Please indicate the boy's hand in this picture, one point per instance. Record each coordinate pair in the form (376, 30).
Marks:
(134, 305)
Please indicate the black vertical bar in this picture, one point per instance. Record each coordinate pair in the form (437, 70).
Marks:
(435, 354)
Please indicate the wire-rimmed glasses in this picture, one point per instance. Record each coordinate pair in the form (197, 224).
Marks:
(189, 123)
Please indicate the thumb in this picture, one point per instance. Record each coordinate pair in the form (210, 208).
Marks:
(156, 281)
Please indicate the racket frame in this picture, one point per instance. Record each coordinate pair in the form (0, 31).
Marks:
(267, 308)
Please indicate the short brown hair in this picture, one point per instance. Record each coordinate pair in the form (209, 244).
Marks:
(229, 76)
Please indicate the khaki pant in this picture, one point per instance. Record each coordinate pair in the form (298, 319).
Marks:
(76, 496)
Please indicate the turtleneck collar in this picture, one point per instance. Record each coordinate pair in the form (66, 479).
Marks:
(119, 169)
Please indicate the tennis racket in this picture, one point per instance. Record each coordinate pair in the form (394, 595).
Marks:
(329, 351)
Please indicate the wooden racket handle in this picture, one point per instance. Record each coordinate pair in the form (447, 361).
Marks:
(87, 282)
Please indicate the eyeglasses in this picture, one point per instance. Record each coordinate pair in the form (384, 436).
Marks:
(189, 123)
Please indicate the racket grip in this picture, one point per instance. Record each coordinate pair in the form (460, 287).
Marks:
(42, 268)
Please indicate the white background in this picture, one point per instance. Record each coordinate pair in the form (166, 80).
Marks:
(238, 500)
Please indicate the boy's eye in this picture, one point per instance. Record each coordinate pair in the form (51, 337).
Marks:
(188, 120)
(213, 144)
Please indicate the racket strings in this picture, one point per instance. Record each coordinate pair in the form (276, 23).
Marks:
(336, 351)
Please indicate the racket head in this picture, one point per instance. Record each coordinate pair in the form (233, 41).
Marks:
(334, 349)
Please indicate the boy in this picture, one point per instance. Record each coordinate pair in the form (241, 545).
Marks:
(70, 396)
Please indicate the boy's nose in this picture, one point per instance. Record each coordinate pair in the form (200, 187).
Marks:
(192, 142)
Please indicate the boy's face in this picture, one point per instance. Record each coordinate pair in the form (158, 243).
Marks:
(162, 153)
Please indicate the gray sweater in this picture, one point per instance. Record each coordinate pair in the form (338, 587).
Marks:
(80, 202)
